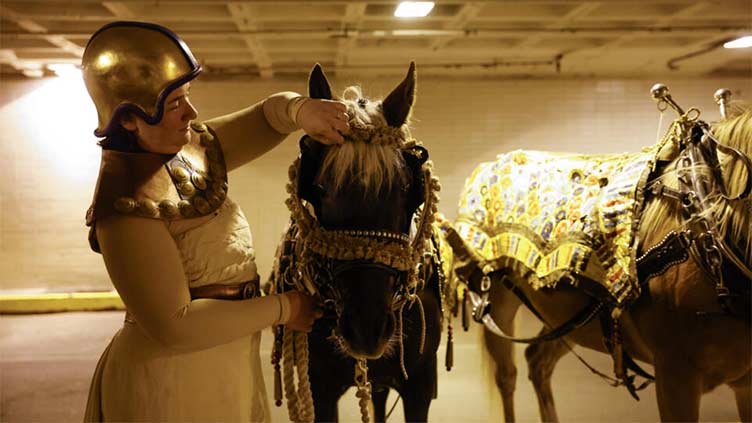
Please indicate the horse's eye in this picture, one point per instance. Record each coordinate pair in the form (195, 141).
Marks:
(362, 103)
(320, 189)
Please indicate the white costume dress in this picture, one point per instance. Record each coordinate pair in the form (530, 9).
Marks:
(139, 379)
(210, 370)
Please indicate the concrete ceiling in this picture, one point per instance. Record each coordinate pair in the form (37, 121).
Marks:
(516, 39)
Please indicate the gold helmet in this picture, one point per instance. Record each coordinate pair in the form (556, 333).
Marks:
(133, 67)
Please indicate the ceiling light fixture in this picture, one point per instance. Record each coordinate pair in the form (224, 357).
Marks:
(741, 42)
(413, 9)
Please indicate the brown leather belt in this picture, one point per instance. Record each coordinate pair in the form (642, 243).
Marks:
(240, 291)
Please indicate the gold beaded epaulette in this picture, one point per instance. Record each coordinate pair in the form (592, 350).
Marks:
(191, 183)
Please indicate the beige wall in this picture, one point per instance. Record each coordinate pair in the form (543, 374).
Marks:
(49, 160)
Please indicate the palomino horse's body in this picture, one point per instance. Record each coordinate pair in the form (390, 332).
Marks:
(350, 245)
(675, 322)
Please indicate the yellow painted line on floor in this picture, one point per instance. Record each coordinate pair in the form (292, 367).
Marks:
(57, 302)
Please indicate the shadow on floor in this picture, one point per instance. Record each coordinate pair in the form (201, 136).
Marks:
(46, 362)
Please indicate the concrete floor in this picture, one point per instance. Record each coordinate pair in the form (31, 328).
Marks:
(46, 362)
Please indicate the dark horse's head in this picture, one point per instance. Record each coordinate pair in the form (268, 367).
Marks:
(363, 195)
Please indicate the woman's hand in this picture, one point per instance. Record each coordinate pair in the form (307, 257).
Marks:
(324, 120)
(303, 311)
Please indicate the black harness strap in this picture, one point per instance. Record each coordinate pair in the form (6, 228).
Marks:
(582, 318)
(673, 249)
(623, 362)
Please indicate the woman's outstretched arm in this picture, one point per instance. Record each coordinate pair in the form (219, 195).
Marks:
(147, 271)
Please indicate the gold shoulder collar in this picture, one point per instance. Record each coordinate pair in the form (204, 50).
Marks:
(191, 183)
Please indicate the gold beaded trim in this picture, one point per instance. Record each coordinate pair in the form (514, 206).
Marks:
(200, 193)
(378, 234)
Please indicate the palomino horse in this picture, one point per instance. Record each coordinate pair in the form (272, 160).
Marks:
(656, 244)
(350, 243)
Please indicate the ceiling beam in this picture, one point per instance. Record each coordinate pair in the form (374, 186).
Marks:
(567, 19)
(8, 57)
(687, 30)
(41, 32)
(597, 37)
(33, 68)
(119, 9)
(242, 15)
(350, 24)
(662, 22)
(459, 21)
(703, 63)
(659, 23)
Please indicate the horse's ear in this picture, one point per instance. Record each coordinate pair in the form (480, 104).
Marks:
(318, 85)
(398, 103)
(311, 153)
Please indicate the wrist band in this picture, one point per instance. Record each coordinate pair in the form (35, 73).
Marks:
(279, 301)
(293, 107)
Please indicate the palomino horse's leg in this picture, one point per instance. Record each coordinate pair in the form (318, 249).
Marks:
(541, 360)
(678, 388)
(504, 307)
(378, 396)
(743, 392)
(505, 375)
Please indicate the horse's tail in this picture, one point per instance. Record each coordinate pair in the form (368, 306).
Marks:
(465, 262)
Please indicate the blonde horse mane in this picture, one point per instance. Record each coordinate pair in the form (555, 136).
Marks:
(662, 215)
(371, 165)
(736, 132)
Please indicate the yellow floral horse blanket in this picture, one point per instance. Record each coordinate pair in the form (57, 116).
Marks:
(554, 216)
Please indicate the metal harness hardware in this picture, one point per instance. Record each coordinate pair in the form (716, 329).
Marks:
(701, 193)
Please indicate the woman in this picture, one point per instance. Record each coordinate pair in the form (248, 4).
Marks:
(177, 249)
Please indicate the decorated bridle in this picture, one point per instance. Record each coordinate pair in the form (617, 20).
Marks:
(318, 255)
(311, 257)
(701, 185)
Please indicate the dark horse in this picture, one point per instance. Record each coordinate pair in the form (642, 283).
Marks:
(350, 243)
(690, 249)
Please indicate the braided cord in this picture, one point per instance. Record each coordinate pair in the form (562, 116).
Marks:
(305, 397)
(295, 355)
(364, 389)
(289, 376)
(422, 325)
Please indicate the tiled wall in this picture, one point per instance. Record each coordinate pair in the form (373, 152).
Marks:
(49, 160)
